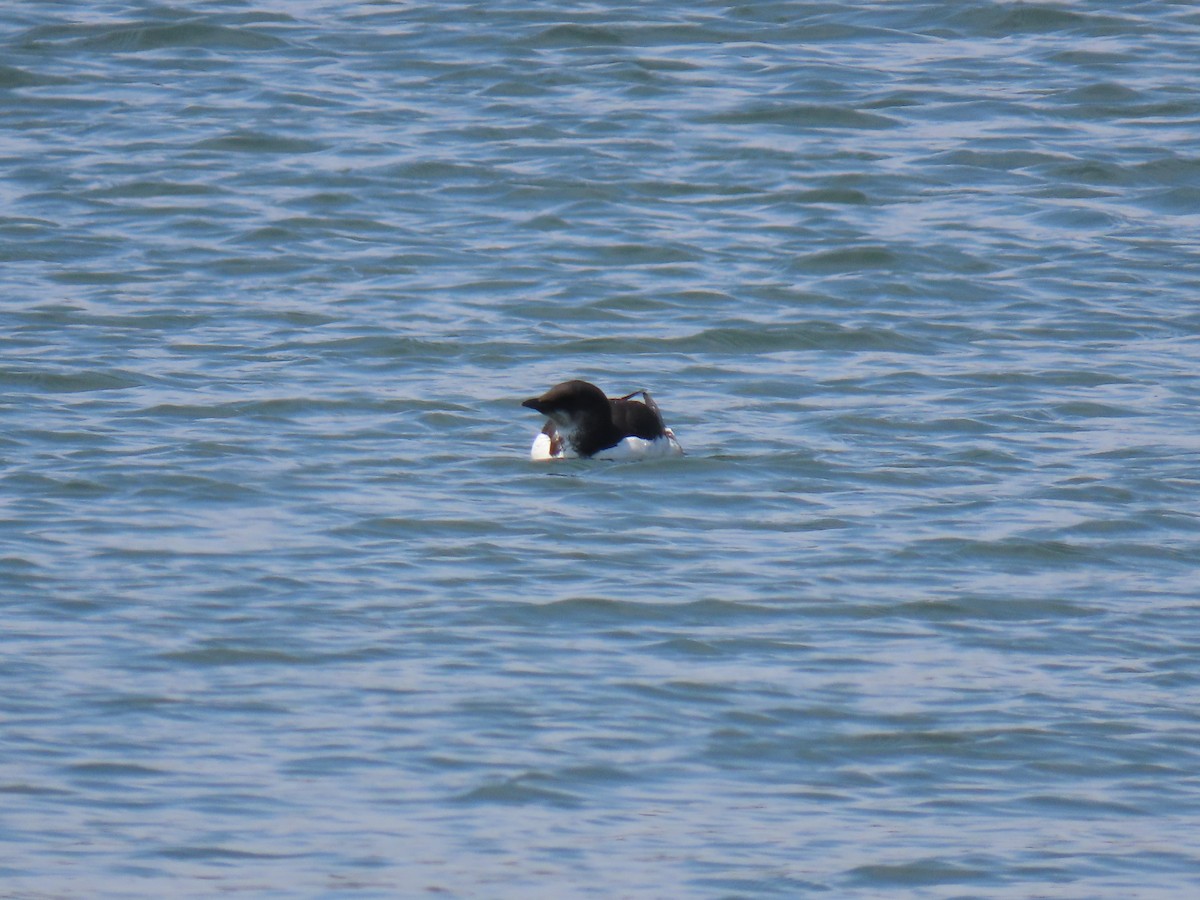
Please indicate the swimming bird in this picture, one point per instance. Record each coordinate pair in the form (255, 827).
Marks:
(583, 422)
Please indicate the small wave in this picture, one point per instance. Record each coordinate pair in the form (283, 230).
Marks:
(804, 115)
(851, 259)
(1005, 20)
(764, 338)
(931, 871)
(12, 77)
(601, 610)
(259, 142)
(572, 35)
(141, 189)
(1030, 551)
(999, 160)
(236, 656)
(215, 853)
(183, 35)
(70, 382)
(516, 793)
(114, 770)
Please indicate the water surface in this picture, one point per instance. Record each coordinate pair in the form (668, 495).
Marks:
(287, 611)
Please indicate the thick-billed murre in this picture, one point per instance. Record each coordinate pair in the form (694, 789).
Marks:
(583, 422)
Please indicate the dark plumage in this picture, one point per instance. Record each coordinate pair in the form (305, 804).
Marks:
(587, 421)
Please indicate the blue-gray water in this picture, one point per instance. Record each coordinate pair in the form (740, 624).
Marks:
(287, 611)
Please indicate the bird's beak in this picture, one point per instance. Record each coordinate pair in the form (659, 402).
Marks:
(533, 403)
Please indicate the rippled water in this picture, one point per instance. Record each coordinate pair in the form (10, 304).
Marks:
(286, 610)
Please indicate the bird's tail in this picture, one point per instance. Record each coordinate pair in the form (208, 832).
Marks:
(649, 401)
